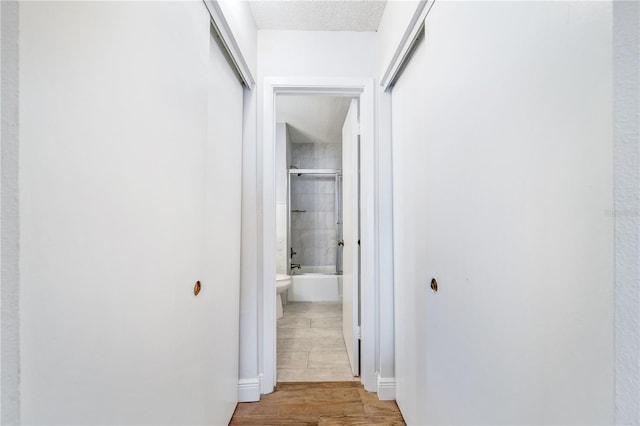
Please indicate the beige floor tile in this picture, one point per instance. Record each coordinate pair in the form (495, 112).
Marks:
(309, 333)
(312, 309)
(314, 314)
(329, 322)
(297, 307)
(292, 359)
(312, 305)
(289, 322)
(335, 360)
(310, 345)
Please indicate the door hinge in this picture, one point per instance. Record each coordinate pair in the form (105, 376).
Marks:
(358, 335)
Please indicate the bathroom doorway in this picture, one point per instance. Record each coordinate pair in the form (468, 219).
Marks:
(280, 249)
(317, 213)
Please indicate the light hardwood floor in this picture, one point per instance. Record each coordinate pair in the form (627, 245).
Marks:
(319, 403)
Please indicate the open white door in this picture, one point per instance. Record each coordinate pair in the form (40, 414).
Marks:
(350, 235)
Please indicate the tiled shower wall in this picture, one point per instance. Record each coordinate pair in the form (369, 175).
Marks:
(313, 232)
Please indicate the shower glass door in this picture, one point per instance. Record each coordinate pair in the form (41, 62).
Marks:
(314, 222)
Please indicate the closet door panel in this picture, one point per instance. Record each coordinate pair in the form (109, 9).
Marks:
(410, 217)
(222, 219)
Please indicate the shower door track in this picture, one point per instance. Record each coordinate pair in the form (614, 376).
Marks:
(313, 171)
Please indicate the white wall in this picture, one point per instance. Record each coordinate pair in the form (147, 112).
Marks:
(240, 20)
(9, 217)
(316, 53)
(121, 168)
(502, 136)
(385, 360)
(249, 382)
(626, 213)
(1, 322)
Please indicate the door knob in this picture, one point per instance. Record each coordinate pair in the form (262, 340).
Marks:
(341, 242)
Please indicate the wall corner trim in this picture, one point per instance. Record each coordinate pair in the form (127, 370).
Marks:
(261, 384)
(229, 42)
(386, 388)
(249, 390)
(403, 49)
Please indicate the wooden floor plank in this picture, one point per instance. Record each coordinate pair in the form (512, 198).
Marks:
(362, 420)
(318, 403)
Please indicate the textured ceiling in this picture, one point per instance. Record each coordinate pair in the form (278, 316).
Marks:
(313, 119)
(318, 15)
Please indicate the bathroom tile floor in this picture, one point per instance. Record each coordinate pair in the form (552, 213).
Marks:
(310, 343)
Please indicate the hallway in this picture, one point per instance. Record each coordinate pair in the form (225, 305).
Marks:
(325, 404)
(497, 249)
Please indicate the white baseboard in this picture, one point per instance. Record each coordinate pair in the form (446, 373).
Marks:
(386, 388)
(249, 390)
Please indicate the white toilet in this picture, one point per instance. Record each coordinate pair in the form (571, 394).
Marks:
(283, 282)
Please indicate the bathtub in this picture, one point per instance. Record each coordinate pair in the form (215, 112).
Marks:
(315, 284)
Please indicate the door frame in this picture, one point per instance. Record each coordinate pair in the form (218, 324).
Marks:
(363, 89)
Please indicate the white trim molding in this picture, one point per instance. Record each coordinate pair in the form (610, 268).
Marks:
(229, 42)
(362, 88)
(249, 390)
(386, 388)
(410, 36)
